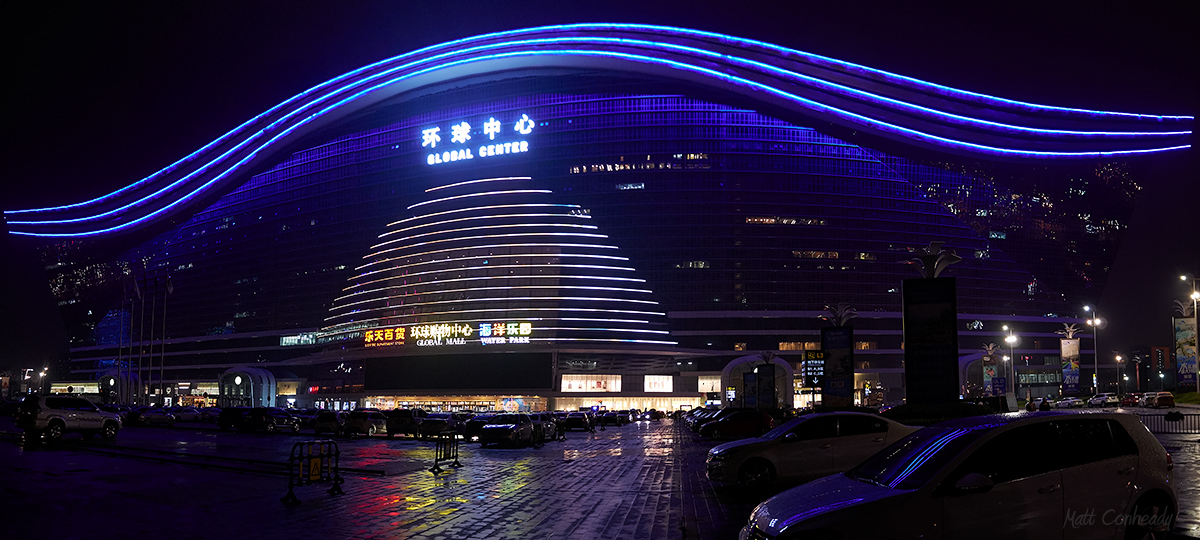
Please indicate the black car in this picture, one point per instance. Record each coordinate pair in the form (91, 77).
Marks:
(404, 421)
(229, 418)
(508, 428)
(270, 419)
(577, 420)
(474, 425)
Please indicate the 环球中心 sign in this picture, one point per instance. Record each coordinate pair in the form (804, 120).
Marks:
(462, 144)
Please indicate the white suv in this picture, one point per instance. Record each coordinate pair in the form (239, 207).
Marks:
(1104, 400)
(55, 416)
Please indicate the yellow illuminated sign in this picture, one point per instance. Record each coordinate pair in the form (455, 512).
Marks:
(384, 337)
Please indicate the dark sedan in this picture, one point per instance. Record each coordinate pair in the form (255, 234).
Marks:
(508, 428)
(270, 420)
(577, 420)
(475, 425)
(738, 425)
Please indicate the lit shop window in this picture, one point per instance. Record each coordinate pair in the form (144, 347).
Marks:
(739, 346)
(866, 345)
(799, 346)
(658, 383)
(591, 383)
(709, 383)
(776, 220)
(627, 187)
(861, 256)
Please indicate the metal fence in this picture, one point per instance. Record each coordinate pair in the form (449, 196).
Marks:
(445, 450)
(313, 462)
(1173, 422)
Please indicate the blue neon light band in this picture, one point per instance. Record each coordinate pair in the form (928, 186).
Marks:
(737, 80)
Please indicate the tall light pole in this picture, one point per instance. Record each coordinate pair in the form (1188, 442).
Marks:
(1095, 323)
(1195, 292)
(1011, 340)
(1120, 361)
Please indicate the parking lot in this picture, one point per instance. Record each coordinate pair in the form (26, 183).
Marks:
(642, 480)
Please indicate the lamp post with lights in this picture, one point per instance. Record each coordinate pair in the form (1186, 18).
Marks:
(1121, 362)
(1096, 323)
(1012, 340)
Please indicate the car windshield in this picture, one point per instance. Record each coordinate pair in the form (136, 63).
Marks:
(913, 460)
(504, 419)
(782, 429)
(438, 416)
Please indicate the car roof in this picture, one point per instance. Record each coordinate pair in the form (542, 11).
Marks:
(997, 420)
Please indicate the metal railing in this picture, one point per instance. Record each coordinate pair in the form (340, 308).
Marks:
(1173, 422)
(313, 462)
(446, 449)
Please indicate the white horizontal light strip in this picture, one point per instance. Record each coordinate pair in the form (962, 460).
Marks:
(482, 227)
(481, 237)
(578, 329)
(483, 194)
(540, 276)
(491, 207)
(549, 340)
(497, 246)
(508, 299)
(427, 272)
(506, 311)
(478, 181)
(508, 288)
(493, 216)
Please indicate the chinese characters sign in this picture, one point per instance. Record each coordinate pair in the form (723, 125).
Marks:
(384, 337)
(444, 334)
(460, 146)
(500, 333)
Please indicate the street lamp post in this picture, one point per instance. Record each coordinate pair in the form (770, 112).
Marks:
(1161, 382)
(1011, 340)
(1095, 323)
(1121, 361)
(1125, 385)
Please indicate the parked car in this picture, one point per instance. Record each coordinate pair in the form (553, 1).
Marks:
(507, 428)
(804, 448)
(460, 420)
(54, 417)
(1161, 399)
(306, 416)
(404, 421)
(365, 423)
(653, 414)
(231, 418)
(1131, 400)
(473, 426)
(1037, 402)
(270, 419)
(577, 420)
(1104, 399)
(333, 422)
(157, 417)
(1032, 472)
(187, 414)
(1068, 403)
(544, 427)
(738, 425)
(1146, 399)
(713, 415)
(437, 423)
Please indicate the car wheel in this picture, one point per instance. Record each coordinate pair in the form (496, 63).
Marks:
(109, 431)
(270, 427)
(54, 431)
(718, 434)
(1149, 515)
(757, 473)
(370, 430)
(295, 428)
(171, 423)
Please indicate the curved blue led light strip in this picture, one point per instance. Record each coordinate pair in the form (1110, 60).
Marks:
(304, 103)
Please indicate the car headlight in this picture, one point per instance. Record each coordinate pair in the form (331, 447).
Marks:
(717, 456)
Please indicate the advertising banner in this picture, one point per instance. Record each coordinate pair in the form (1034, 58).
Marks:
(838, 344)
(1185, 354)
(990, 372)
(1070, 365)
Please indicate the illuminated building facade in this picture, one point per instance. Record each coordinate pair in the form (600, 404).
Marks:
(567, 216)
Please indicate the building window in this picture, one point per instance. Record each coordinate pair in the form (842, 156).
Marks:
(799, 345)
(709, 383)
(739, 346)
(694, 264)
(658, 383)
(865, 345)
(815, 254)
(572, 382)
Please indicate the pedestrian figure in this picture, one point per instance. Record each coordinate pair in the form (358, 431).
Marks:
(1045, 406)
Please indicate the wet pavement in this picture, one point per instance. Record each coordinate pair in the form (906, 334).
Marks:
(643, 480)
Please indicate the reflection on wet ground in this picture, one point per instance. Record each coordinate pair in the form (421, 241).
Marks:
(643, 480)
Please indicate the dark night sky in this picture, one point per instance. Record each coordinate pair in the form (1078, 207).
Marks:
(102, 94)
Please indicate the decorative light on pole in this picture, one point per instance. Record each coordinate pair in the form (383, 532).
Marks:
(1121, 360)
(1097, 323)
(1012, 340)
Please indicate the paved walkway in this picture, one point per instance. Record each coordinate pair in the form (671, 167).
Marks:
(643, 480)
